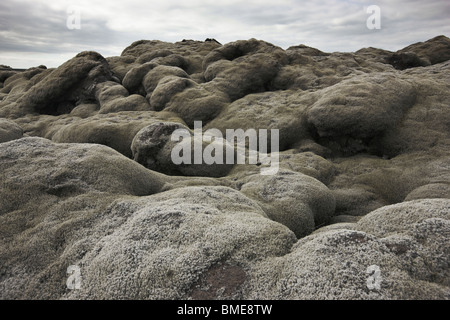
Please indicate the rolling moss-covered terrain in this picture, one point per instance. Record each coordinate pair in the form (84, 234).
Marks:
(87, 179)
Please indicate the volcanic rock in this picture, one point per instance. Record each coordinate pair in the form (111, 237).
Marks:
(353, 204)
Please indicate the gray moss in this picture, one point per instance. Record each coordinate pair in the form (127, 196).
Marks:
(87, 179)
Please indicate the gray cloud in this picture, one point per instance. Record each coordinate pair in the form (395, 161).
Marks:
(36, 29)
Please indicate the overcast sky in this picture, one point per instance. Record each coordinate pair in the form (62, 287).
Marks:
(35, 32)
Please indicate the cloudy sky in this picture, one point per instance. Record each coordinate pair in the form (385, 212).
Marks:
(35, 32)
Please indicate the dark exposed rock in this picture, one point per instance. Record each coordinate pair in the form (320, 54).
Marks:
(405, 60)
(426, 53)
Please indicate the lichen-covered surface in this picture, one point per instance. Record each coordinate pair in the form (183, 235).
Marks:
(87, 179)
